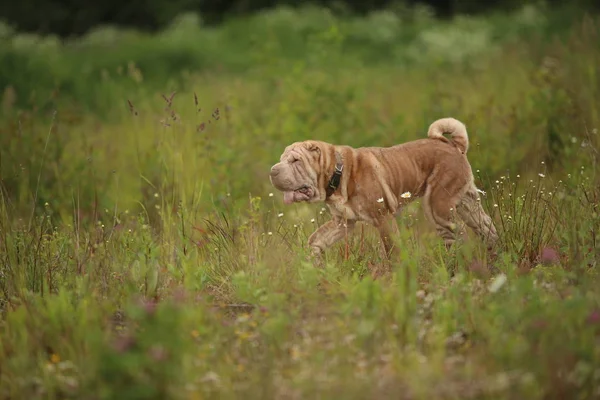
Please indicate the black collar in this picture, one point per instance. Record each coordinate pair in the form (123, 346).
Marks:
(334, 182)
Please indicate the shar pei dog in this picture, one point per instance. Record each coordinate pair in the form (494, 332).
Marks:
(371, 184)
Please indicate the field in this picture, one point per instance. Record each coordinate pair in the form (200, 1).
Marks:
(145, 254)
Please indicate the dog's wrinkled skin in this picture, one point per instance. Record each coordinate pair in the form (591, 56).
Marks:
(434, 169)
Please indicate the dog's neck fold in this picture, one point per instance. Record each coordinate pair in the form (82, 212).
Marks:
(334, 181)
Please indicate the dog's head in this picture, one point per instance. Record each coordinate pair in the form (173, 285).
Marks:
(302, 172)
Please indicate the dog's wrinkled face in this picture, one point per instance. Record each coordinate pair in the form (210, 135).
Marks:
(298, 172)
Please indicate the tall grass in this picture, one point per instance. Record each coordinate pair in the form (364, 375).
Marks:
(145, 255)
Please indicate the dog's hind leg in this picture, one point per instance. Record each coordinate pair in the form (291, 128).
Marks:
(437, 206)
(472, 213)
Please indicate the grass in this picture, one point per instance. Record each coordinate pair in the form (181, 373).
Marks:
(143, 255)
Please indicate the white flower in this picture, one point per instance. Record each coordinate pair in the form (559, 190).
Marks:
(542, 175)
(270, 194)
(155, 194)
(280, 215)
(497, 283)
(269, 233)
(323, 209)
(496, 205)
(406, 195)
(380, 200)
(312, 220)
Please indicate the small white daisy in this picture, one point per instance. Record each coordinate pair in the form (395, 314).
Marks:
(270, 194)
(312, 220)
(406, 195)
(270, 233)
(280, 215)
(380, 200)
(542, 175)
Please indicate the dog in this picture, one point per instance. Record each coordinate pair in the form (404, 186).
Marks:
(372, 184)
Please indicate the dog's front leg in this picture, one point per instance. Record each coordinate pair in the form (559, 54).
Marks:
(328, 234)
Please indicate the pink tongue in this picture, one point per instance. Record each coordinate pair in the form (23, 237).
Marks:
(288, 197)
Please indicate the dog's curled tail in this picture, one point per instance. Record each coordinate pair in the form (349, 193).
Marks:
(456, 129)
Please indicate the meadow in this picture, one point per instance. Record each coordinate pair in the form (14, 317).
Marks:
(145, 254)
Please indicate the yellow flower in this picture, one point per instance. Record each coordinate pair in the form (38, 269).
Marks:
(55, 358)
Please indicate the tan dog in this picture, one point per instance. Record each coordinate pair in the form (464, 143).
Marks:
(371, 184)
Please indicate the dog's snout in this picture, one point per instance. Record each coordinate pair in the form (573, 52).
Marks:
(275, 170)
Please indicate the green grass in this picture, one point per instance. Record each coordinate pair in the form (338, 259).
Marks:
(143, 255)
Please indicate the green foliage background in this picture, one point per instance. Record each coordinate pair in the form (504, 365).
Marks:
(143, 255)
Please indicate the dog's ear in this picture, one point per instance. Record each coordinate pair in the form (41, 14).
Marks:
(313, 147)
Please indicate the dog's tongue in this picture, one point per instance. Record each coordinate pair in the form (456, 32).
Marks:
(288, 197)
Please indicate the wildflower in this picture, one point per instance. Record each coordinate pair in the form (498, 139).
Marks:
(55, 358)
(155, 194)
(280, 215)
(542, 175)
(496, 205)
(320, 212)
(46, 204)
(270, 194)
(549, 256)
(295, 226)
(270, 233)
(380, 200)
(518, 176)
(323, 209)
(594, 317)
(543, 163)
(497, 181)
(312, 220)
(406, 195)
(497, 283)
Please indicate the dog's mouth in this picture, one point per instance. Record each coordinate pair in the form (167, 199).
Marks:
(303, 193)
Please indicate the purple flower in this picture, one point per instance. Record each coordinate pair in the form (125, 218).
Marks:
(549, 256)
(594, 317)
